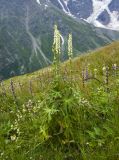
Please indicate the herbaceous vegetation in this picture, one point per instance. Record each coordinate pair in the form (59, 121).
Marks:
(64, 113)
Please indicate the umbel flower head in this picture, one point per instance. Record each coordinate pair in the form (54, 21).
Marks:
(70, 47)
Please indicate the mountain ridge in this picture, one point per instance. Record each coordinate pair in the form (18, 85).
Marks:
(101, 13)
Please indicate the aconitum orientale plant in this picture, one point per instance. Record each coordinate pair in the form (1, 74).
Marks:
(56, 49)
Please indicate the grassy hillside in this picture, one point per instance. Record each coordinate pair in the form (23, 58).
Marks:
(72, 116)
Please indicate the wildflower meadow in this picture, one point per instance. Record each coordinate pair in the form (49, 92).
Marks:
(67, 111)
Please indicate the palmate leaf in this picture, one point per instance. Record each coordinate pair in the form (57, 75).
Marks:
(91, 134)
(97, 131)
(49, 112)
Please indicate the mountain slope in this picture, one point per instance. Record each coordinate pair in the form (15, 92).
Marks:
(105, 56)
(101, 13)
(26, 33)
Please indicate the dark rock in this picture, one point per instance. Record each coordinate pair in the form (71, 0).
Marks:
(114, 5)
(104, 18)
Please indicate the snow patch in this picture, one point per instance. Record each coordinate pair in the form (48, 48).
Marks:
(62, 6)
(114, 23)
(38, 1)
(46, 6)
(98, 8)
(67, 11)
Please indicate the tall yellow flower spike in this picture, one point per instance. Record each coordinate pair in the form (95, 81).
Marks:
(70, 47)
(70, 51)
(56, 49)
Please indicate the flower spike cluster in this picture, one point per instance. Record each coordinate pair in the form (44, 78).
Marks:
(57, 42)
(70, 47)
(56, 48)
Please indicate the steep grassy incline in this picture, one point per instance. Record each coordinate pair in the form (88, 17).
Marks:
(70, 116)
